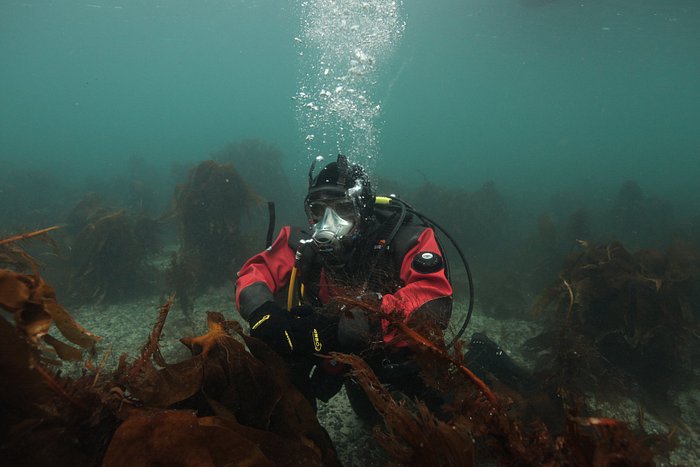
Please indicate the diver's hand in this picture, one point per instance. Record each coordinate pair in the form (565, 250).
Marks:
(354, 330)
(313, 332)
(272, 324)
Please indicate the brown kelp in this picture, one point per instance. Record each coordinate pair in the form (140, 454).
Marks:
(209, 210)
(230, 403)
(17, 258)
(477, 423)
(261, 165)
(109, 252)
(36, 408)
(623, 315)
(27, 235)
(224, 405)
(412, 438)
(34, 306)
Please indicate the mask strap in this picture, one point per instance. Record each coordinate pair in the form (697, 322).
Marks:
(311, 169)
(342, 169)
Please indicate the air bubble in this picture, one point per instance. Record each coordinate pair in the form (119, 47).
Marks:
(345, 44)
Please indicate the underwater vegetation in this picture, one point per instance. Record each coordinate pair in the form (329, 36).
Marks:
(210, 210)
(231, 402)
(502, 422)
(109, 252)
(515, 257)
(29, 352)
(261, 165)
(143, 183)
(638, 220)
(617, 316)
(110, 247)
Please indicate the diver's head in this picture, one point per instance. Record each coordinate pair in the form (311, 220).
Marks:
(338, 205)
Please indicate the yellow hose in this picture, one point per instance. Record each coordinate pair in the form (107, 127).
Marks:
(290, 293)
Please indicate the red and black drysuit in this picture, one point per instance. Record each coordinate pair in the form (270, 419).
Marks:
(408, 286)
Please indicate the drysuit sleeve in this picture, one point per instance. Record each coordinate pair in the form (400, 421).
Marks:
(426, 288)
(264, 275)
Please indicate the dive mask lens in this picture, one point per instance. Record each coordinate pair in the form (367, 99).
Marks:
(315, 210)
(343, 207)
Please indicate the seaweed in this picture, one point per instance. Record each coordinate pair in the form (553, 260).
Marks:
(578, 226)
(142, 197)
(109, 253)
(473, 429)
(47, 419)
(18, 258)
(625, 314)
(181, 276)
(210, 210)
(230, 403)
(34, 306)
(476, 423)
(27, 235)
(228, 389)
(260, 164)
(39, 409)
(412, 438)
(232, 400)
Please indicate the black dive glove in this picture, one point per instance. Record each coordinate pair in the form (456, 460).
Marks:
(272, 324)
(313, 332)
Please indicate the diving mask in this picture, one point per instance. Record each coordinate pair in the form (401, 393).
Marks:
(330, 230)
(343, 207)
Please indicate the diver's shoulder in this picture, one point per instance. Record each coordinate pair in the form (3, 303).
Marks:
(407, 237)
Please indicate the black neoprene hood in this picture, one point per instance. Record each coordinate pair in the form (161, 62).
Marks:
(344, 179)
(334, 176)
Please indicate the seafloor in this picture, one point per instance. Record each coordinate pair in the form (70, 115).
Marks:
(125, 327)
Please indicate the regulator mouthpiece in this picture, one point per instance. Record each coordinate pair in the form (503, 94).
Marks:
(329, 231)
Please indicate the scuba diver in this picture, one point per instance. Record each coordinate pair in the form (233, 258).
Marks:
(370, 249)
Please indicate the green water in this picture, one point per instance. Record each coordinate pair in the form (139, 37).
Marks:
(558, 102)
(88, 85)
(535, 96)
(538, 98)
